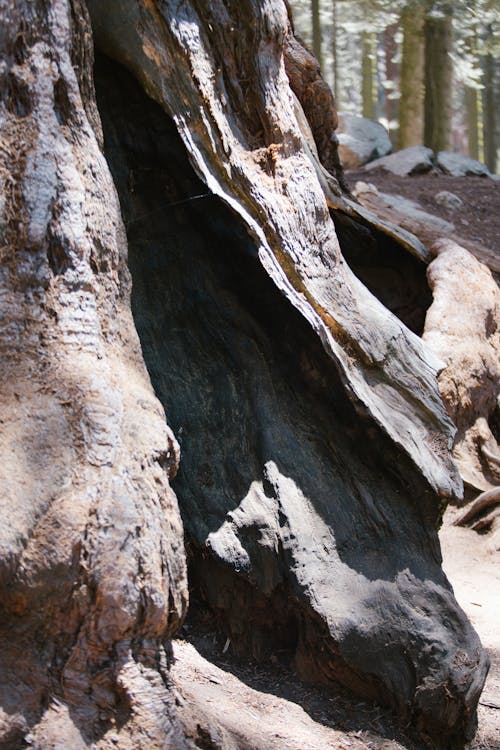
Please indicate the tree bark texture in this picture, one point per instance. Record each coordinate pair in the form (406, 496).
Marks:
(316, 449)
(438, 33)
(392, 75)
(465, 293)
(474, 122)
(411, 103)
(368, 68)
(92, 566)
(489, 117)
(316, 31)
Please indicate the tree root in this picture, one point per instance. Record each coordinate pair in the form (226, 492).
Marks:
(482, 501)
(494, 459)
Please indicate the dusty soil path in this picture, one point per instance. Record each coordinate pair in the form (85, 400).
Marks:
(473, 568)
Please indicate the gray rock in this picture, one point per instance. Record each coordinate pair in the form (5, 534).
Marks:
(361, 140)
(449, 200)
(412, 160)
(458, 165)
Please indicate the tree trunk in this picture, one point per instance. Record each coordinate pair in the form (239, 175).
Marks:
(473, 104)
(335, 62)
(315, 447)
(473, 110)
(438, 80)
(316, 31)
(368, 70)
(490, 146)
(411, 103)
(392, 83)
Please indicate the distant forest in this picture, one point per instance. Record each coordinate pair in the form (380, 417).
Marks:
(429, 71)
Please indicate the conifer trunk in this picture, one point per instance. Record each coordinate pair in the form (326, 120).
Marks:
(490, 155)
(438, 80)
(411, 104)
(316, 31)
(368, 74)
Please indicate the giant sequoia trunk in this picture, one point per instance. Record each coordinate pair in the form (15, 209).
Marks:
(315, 448)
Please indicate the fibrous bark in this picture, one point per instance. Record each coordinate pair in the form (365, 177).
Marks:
(438, 32)
(92, 566)
(316, 450)
(411, 104)
(269, 507)
(462, 326)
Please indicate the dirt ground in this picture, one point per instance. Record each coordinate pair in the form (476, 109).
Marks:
(473, 569)
(478, 220)
(252, 706)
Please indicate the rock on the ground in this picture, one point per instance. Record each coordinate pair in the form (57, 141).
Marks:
(449, 200)
(463, 328)
(458, 165)
(361, 140)
(408, 161)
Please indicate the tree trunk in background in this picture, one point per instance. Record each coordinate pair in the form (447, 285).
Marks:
(473, 111)
(473, 104)
(438, 80)
(368, 74)
(316, 31)
(335, 65)
(411, 103)
(392, 74)
(490, 155)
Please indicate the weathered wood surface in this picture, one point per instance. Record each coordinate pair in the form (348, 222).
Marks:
(463, 328)
(92, 566)
(247, 147)
(280, 537)
(314, 517)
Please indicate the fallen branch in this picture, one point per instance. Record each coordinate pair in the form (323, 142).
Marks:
(482, 501)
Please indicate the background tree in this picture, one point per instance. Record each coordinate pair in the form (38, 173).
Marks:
(411, 105)
(395, 62)
(316, 29)
(438, 73)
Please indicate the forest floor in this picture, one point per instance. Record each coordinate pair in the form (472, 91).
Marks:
(255, 706)
(478, 221)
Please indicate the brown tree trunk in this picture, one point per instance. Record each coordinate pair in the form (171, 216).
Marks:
(92, 564)
(473, 111)
(368, 70)
(411, 103)
(315, 446)
(438, 32)
(490, 113)
(335, 62)
(392, 75)
(316, 31)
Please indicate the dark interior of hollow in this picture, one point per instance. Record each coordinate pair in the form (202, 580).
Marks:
(397, 278)
(242, 379)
